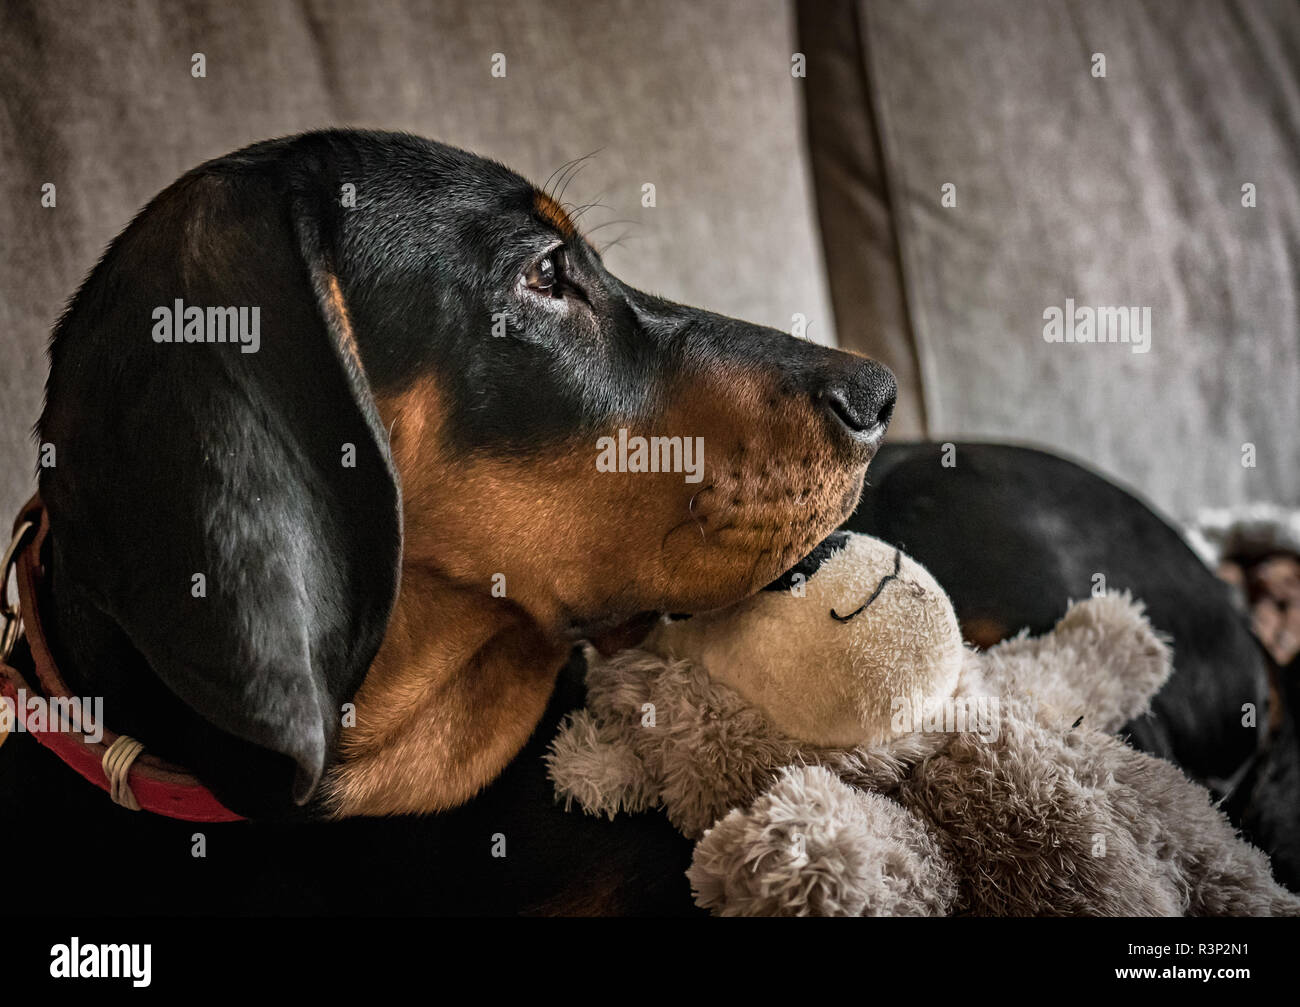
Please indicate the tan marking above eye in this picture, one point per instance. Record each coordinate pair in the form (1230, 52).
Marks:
(553, 213)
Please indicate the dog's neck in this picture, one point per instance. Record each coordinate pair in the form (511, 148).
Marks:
(454, 692)
(457, 687)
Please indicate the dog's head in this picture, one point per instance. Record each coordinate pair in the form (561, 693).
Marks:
(444, 376)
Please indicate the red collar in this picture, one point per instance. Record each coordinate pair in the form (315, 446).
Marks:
(148, 783)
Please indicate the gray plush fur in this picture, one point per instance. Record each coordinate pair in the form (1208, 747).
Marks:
(1047, 815)
(811, 845)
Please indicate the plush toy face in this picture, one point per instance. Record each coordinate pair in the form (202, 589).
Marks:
(832, 650)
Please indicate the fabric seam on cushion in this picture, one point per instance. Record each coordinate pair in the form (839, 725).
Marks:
(890, 173)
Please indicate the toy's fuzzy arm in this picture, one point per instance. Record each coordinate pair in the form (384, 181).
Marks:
(1102, 662)
(593, 759)
(595, 765)
(813, 846)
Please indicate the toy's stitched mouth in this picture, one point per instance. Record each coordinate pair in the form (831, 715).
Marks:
(898, 565)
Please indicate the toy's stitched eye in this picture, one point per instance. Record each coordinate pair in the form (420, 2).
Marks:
(545, 274)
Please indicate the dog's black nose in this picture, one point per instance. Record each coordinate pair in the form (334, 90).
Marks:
(861, 398)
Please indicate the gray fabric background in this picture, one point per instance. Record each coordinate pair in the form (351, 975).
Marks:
(695, 97)
(1117, 191)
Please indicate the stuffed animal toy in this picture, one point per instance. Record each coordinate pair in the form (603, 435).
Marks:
(836, 749)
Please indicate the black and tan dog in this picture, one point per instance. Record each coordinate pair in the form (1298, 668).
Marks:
(416, 423)
(337, 576)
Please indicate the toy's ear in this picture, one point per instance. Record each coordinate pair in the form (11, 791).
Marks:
(1102, 662)
(229, 507)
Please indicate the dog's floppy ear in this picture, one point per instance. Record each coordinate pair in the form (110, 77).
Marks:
(231, 506)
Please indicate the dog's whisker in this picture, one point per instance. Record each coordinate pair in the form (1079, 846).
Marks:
(608, 223)
(570, 173)
(690, 507)
(546, 186)
(559, 196)
(575, 213)
(617, 241)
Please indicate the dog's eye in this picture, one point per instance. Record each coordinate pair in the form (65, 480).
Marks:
(545, 274)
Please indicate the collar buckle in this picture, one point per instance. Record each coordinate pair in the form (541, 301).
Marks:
(10, 615)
